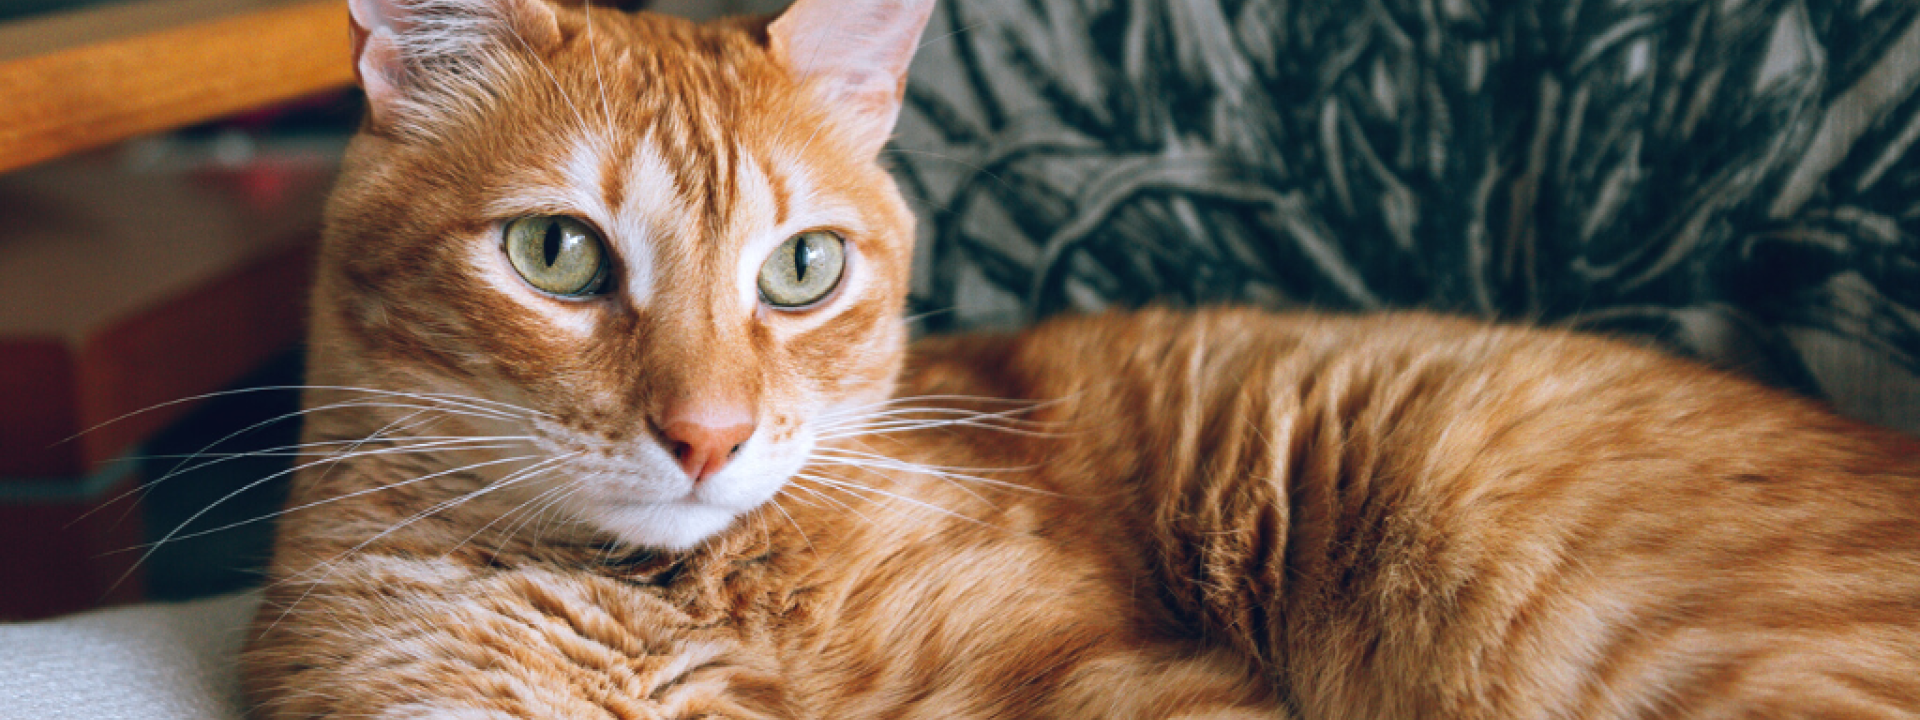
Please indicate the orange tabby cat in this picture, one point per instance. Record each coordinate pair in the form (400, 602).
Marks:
(605, 336)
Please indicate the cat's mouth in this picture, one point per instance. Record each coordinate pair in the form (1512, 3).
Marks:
(648, 499)
(666, 526)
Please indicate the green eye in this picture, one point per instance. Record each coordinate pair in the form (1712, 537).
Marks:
(803, 269)
(559, 255)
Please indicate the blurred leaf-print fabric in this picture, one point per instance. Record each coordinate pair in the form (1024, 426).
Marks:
(1731, 179)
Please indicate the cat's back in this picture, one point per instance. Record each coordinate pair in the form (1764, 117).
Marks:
(1409, 514)
(1432, 384)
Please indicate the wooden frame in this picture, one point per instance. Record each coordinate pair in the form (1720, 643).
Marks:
(85, 79)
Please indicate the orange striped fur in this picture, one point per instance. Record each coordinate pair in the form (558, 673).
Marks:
(1219, 514)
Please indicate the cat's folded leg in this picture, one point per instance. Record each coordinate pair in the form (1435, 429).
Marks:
(420, 639)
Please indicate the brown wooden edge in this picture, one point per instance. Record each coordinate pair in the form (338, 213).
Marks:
(79, 98)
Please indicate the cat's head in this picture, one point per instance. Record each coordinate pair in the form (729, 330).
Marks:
(669, 247)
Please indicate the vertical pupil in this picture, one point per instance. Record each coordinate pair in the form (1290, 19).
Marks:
(802, 257)
(550, 247)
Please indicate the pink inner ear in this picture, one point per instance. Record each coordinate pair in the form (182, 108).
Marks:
(857, 51)
(376, 57)
(849, 49)
(380, 70)
(371, 15)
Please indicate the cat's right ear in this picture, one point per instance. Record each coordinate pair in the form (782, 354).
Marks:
(395, 40)
(376, 57)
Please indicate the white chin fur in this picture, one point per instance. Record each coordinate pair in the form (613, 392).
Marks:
(669, 526)
(673, 514)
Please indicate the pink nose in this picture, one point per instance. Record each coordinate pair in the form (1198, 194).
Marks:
(704, 439)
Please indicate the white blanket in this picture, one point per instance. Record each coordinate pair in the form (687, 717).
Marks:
(150, 662)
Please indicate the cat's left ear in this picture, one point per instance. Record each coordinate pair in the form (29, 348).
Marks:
(855, 53)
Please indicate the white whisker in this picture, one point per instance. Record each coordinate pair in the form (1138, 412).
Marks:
(837, 502)
(269, 478)
(911, 319)
(775, 504)
(882, 462)
(458, 401)
(349, 404)
(332, 564)
(957, 161)
(876, 466)
(931, 398)
(203, 511)
(856, 487)
(896, 415)
(559, 493)
(306, 506)
(923, 44)
(904, 426)
(545, 67)
(517, 476)
(606, 108)
(182, 468)
(891, 418)
(320, 448)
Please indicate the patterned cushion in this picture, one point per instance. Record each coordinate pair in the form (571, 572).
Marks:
(1729, 178)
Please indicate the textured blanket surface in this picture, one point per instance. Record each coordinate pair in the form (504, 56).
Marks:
(151, 662)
